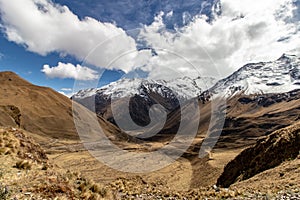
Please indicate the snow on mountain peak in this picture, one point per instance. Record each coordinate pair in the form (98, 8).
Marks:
(282, 75)
(183, 88)
(279, 76)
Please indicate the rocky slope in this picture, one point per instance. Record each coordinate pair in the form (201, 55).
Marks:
(282, 145)
(11, 115)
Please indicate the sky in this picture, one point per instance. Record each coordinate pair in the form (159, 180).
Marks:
(62, 43)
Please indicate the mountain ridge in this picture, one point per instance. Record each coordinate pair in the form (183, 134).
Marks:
(279, 76)
(42, 111)
(282, 75)
(286, 70)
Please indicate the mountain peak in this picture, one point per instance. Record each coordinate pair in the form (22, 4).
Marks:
(11, 78)
(183, 87)
(282, 75)
(287, 56)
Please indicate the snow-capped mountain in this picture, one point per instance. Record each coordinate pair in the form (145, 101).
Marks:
(180, 88)
(143, 94)
(280, 76)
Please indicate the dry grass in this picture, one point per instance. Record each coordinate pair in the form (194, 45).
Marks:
(31, 176)
(42, 180)
(28, 178)
(24, 164)
(8, 143)
(283, 177)
(268, 153)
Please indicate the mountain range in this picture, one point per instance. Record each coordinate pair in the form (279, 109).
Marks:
(278, 76)
(259, 142)
(255, 85)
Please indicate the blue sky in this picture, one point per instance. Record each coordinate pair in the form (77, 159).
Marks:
(128, 14)
(52, 45)
(28, 65)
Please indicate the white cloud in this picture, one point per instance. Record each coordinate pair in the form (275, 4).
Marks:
(66, 89)
(247, 31)
(44, 27)
(68, 70)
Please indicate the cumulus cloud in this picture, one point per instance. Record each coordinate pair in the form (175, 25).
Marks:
(43, 27)
(68, 70)
(246, 31)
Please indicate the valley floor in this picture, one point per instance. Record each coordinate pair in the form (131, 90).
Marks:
(70, 172)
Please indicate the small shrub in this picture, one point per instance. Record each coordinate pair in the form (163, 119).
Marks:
(94, 196)
(103, 192)
(83, 187)
(5, 151)
(4, 192)
(95, 188)
(24, 164)
(45, 167)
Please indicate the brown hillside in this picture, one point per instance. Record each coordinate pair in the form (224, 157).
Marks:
(268, 153)
(250, 117)
(41, 110)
